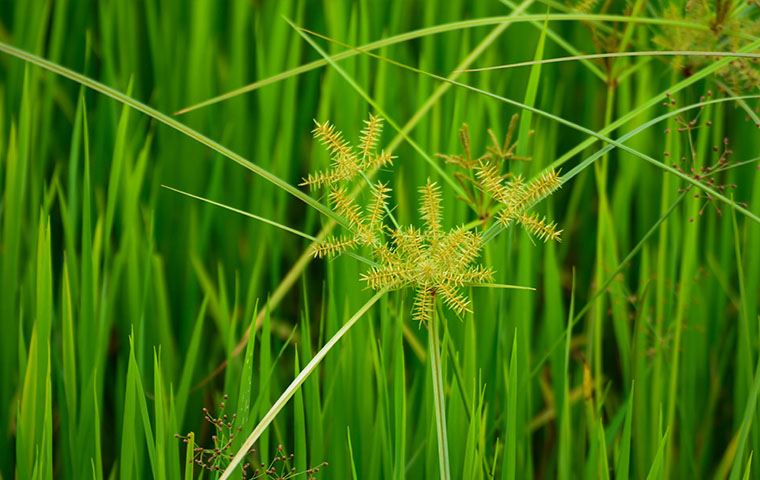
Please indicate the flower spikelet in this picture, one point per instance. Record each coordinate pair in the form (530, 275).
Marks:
(333, 246)
(365, 225)
(491, 180)
(386, 276)
(346, 207)
(453, 299)
(345, 165)
(333, 140)
(430, 208)
(424, 302)
(541, 187)
(382, 159)
(522, 196)
(408, 242)
(370, 137)
(377, 206)
(539, 227)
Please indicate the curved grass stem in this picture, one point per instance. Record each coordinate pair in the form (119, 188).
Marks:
(597, 56)
(267, 221)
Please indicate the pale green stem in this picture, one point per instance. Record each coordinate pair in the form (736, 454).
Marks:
(438, 397)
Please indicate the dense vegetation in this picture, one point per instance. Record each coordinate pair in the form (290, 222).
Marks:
(548, 268)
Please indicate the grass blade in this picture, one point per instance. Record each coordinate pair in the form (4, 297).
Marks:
(622, 466)
(657, 469)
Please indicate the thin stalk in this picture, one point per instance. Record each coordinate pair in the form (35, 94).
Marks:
(436, 369)
(267, 221)
(662, 293)
(602, 232)
(643, 53)
(243, 212)
(746, 339)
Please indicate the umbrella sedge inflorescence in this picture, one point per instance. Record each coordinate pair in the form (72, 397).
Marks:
(433, 261)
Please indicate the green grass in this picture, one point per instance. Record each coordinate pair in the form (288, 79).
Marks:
(153, 264)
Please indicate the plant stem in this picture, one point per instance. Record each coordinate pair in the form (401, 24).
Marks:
(438, 397)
